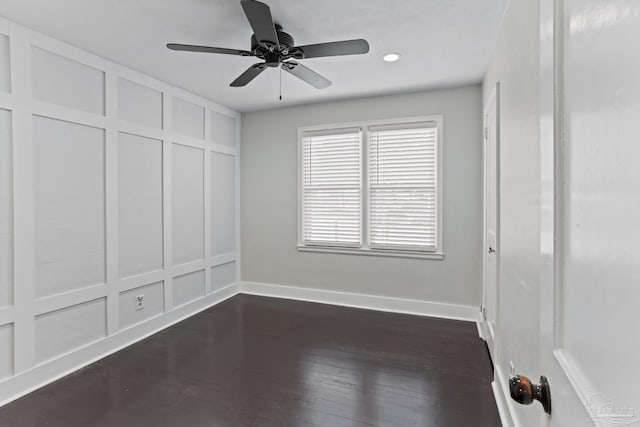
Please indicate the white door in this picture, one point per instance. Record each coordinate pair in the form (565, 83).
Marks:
(590, 156)
(491, 170)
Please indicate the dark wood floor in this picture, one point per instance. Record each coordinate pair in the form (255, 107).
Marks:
(254, 361)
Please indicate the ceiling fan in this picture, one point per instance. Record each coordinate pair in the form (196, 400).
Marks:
(276, 48)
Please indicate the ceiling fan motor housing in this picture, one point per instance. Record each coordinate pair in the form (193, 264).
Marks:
(270, 53)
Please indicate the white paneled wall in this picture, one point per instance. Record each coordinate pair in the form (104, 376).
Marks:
(139, 104)
(5, 73)
(112, 185)
(140, 204)
(72, 327)
(188, 287)
(69, 203)
(223, 129)
(188, 204)
(62, 81)
(6, 211)
(188, 118)
(154, 304)
(223, 169)
(223, 275)
(6, 351)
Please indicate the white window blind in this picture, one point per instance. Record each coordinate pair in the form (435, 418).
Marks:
(403, 182)
(331, 188)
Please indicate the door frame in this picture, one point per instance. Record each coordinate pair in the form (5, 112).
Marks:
(492, 343)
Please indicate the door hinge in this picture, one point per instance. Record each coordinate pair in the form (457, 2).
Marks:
(483, 310)
(486, 133)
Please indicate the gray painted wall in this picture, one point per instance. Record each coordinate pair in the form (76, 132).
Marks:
(269, 202)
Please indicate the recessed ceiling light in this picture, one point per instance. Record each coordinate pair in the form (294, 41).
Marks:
(391, 57)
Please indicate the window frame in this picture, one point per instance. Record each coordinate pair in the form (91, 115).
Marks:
(365, 247)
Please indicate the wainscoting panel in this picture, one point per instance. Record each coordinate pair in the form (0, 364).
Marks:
(188, 204)
(223, 171)
(6, 351)
(5, 66)
(139, 104)
(65, 82)
(223, 129)
(69, 206)
(140, 204)
(223, 275)
(153, 297)
(188, 287)
(188, 118)
(69, 328)
(6, 211)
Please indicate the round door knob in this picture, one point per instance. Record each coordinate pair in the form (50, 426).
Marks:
(524, 392)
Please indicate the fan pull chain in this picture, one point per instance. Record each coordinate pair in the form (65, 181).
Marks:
(280, 83)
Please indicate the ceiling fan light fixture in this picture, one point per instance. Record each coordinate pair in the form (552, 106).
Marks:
(391, 57)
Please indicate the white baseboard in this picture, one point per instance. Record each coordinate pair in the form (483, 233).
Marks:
(372, 302)
(505, 418)
(479, 323)
(48, 372)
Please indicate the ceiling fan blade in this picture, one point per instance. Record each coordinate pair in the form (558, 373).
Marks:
(207, 49)
(259, 16)
(346, 47)
(305, 74)
(251, 73)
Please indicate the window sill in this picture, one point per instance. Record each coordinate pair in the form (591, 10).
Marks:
(372, 252)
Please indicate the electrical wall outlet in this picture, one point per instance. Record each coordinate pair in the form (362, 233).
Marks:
(139, 302)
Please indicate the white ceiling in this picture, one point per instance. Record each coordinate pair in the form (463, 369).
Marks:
(443, 43)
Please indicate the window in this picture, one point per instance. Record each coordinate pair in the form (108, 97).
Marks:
(331, 187)
(372, 188)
